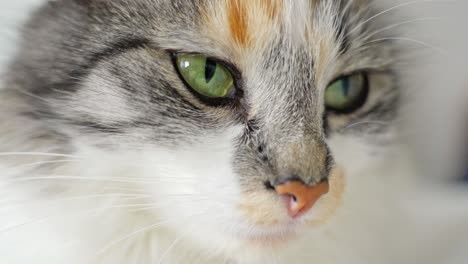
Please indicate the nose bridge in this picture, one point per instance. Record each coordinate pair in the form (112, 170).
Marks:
(305, 159)
(289, 112)
(295, 137)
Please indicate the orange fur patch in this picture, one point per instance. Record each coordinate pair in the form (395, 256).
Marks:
(243, 15)
(272, 7)
(238, 21)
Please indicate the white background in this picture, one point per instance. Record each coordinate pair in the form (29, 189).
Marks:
(12, 15)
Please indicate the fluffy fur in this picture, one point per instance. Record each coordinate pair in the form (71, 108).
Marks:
(106, 157)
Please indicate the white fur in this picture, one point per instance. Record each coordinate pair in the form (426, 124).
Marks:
(194, 192)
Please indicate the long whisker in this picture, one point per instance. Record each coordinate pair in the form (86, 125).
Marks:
(358, 14)
(127, 180)
(164, 205)
(363, 123)
(123, 189)
(10, 203)
(172, 246)
(128, 236)
(43, 99)
(70, 199)
(123, 196)
(365, 46)
(72, 214)
(406, 39)
(3, 154)
(348, 6)
(76, 178)
(360, 25)
(368, 36)
(96, 179)
(42, 163)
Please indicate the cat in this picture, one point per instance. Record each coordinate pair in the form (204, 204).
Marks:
(205, 131)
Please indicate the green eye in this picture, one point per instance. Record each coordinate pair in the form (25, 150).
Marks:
(205, 76)
(348, 93)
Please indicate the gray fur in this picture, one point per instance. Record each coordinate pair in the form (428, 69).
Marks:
(102, 69)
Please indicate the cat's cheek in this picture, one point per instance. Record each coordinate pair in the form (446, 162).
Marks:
(356, 153)
(193, 183)
(327, 206)
(263, 209)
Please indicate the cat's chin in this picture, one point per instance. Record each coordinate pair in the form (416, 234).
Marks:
(272, 239)
(276, 236)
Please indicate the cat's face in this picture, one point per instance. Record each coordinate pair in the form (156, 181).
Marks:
(285, 89)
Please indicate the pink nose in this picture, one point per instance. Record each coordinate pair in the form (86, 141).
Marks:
(300, 197)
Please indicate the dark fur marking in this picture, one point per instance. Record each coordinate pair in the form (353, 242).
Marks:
(100, 127)
(75, 75)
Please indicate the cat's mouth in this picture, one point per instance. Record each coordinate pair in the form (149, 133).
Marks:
(276, 237)
(267, 211)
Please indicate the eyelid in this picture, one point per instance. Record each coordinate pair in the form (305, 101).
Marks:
(230, 66)
(350, 73)
(367, 90)
(213, 102)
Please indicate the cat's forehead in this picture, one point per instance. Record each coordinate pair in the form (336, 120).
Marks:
(244, 22)
(248, 31)
(245, 32)
(250, 24)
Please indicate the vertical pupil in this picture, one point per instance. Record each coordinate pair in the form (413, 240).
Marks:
(210, 69)
(346, 86)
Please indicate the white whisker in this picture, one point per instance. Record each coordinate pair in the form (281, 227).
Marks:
(363, 123)
(348, 6)
(406, 39)
(368, 36)
(94, 179)
(34, 96)
(70, 199)
(42, 163)
(162, 205)
(360, 25)
(128, 236)
(367, 45)
(95, 211)
(37, 154)
(172, 246)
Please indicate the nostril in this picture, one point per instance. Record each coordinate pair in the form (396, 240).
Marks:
(269, 186)
(260, 149)
(300, 197)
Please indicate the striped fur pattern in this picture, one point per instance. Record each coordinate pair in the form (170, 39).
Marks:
(124, 165)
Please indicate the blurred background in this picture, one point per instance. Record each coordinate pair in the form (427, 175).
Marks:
(435, 120)
(439, 89)
(12, 14)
